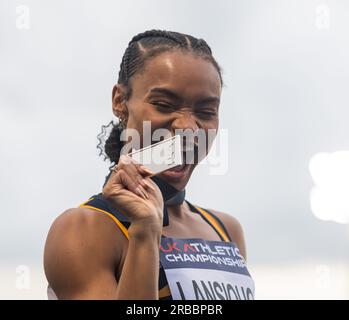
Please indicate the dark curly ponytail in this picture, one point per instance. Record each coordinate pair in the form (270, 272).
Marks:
(142, 47)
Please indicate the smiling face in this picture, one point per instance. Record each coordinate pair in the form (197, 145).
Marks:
(174, 90)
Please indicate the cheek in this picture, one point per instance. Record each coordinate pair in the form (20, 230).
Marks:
(144, 113)
(210, 141)
(146, 120)
(211, 130)
(138, 114)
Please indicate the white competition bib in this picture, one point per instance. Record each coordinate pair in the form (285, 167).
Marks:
(198, 269)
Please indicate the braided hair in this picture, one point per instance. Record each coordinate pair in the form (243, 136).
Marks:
(142, 47)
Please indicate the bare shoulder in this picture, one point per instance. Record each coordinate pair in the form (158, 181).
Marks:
(234, 228)
(77, 238)
(83, 224)
(78, 227)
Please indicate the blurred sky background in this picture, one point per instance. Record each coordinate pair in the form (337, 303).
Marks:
(286, 99)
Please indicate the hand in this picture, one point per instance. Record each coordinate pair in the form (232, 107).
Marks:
(131, 191)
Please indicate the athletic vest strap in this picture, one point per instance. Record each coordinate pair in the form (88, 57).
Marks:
(99, 203)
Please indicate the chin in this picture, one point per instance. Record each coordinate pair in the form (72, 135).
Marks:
(179, 176)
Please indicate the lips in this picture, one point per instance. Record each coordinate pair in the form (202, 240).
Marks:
(176, 173)
(178, 168)
(189, 157)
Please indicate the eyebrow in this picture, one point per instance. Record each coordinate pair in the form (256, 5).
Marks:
(175, 96)
(166, 92)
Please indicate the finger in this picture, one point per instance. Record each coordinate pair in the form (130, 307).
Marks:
(148, 184)
(147, 172)
(143, 191)
(141, 167)
(131, 184)
(132, 168)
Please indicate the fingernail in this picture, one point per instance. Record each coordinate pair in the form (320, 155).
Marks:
(148, 184)
(143, 183)
(140, 193)
(145, 193)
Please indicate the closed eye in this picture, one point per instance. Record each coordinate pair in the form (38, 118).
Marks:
(164, 106)
(167, 108)
(207, 114)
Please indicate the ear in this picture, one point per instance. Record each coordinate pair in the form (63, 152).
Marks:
(119, 101)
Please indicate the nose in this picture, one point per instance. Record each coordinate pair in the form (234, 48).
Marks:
(187, 127)
(185, 121)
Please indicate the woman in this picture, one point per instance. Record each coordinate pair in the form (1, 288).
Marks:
(139, 238)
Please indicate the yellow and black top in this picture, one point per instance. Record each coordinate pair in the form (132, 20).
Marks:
(98, 203)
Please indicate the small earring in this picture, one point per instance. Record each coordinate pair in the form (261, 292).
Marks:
(122, 123)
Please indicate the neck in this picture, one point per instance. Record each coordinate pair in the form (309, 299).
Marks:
(173, 199)
(176, 212)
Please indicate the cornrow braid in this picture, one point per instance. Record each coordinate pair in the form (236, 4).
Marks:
(141, 48)
(157, 33)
